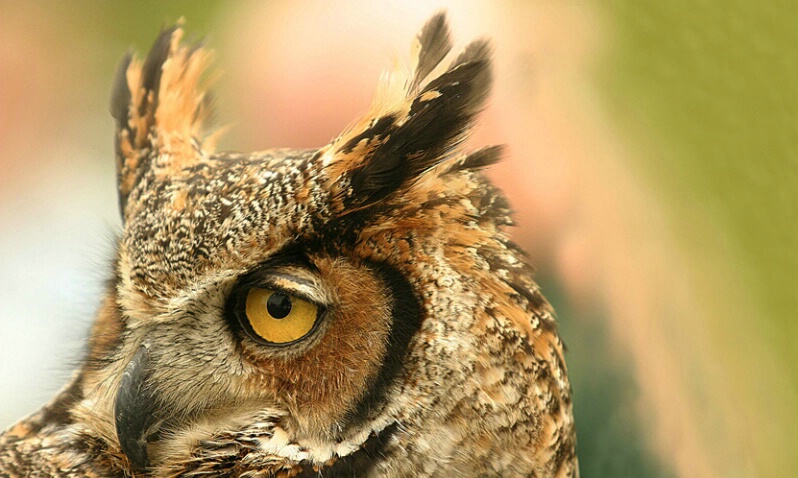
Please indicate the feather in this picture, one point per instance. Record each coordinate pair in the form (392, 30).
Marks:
(432, 45)
(161, 109)
(479, 159)
(393, 145)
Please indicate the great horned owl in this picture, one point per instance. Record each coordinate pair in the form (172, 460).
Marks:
(354, 310)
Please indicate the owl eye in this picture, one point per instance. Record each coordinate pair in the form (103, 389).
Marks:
(278, 317)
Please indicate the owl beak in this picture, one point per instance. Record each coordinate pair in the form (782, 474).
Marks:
(134, 409)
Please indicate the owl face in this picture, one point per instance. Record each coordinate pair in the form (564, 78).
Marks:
(355, 310)
(300, 325)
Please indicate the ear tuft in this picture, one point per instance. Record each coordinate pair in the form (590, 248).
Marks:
(432, 45)
(406, 134)
(160, 106)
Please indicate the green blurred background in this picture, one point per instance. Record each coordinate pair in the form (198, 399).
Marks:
(663, 216)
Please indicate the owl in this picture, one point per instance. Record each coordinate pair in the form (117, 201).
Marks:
(356, 310)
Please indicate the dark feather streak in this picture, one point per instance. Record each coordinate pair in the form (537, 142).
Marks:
(435, 41)
(481, 158)
(153, 67)
(438, 120)
(478, 50)
(378, 130)
(120, 95)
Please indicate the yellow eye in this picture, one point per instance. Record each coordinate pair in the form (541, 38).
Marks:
(278, 317)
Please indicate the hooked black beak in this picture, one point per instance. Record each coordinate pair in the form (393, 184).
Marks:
(134, 409)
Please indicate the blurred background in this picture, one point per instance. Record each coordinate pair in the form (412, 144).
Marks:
(653, 164)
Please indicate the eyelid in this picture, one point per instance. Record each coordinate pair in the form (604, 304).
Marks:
(305, 286)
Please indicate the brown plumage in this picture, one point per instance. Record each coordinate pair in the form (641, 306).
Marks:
(417, 343)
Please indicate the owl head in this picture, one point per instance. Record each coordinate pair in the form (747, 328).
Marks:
(353, 310)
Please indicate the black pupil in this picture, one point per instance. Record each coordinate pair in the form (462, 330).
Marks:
(278, 305)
